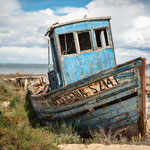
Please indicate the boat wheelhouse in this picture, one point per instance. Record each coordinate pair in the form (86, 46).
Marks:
(80, 49)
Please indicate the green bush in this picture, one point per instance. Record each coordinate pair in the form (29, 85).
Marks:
(14, 101)
(24, 137)
(5, 91)
(16, 131)
(63, 133)
(3, 121)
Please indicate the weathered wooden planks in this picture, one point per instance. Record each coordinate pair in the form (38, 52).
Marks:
(119, 104)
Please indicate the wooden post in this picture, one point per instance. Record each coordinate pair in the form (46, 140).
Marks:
(139, 137)
(26, 84)
(144, 93)
(82, 140)
(132, 139)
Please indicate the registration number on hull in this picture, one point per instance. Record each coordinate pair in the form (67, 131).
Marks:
(89, 90)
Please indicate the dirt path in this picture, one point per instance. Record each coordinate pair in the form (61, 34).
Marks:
(103, 147)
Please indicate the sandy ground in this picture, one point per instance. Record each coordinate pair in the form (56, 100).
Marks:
(103, 147)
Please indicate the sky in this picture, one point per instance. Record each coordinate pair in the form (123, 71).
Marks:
(23, 24)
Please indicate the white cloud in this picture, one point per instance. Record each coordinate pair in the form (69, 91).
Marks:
(23, 54)
(9, 7)
(22, 33)
(124, 55)
(26, 29)
(141, 22)
(139, 34)
(71, 13)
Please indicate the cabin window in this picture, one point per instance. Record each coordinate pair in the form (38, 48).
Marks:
(101, 37)
(67, 44)
(84, 41)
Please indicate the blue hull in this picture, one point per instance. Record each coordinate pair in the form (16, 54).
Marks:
(114, 98)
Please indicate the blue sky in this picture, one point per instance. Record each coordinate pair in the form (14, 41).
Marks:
(35, 5)
(23, 24)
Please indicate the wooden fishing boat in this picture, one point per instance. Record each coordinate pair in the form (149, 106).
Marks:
(88, 89)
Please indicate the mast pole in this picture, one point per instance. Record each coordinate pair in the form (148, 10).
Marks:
(49, 56)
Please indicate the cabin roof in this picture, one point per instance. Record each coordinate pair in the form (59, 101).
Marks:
(74, 21)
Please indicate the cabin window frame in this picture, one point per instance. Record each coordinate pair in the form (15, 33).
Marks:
(53, 50)
(91, 41)
(74, 43)
(108, 38)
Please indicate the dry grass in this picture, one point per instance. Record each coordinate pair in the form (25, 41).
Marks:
(116, 137)
(108, 137)
(15, 129)
(63, 133)
(5, 92)
(20, 128)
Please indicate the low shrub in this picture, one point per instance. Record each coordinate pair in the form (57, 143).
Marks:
(16, 131)
(24, 137)
(14, 101)
(107, 137)
(63, 133)
(5, 91)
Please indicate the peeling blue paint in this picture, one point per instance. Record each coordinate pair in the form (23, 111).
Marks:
(81, 26)
(80, 66)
